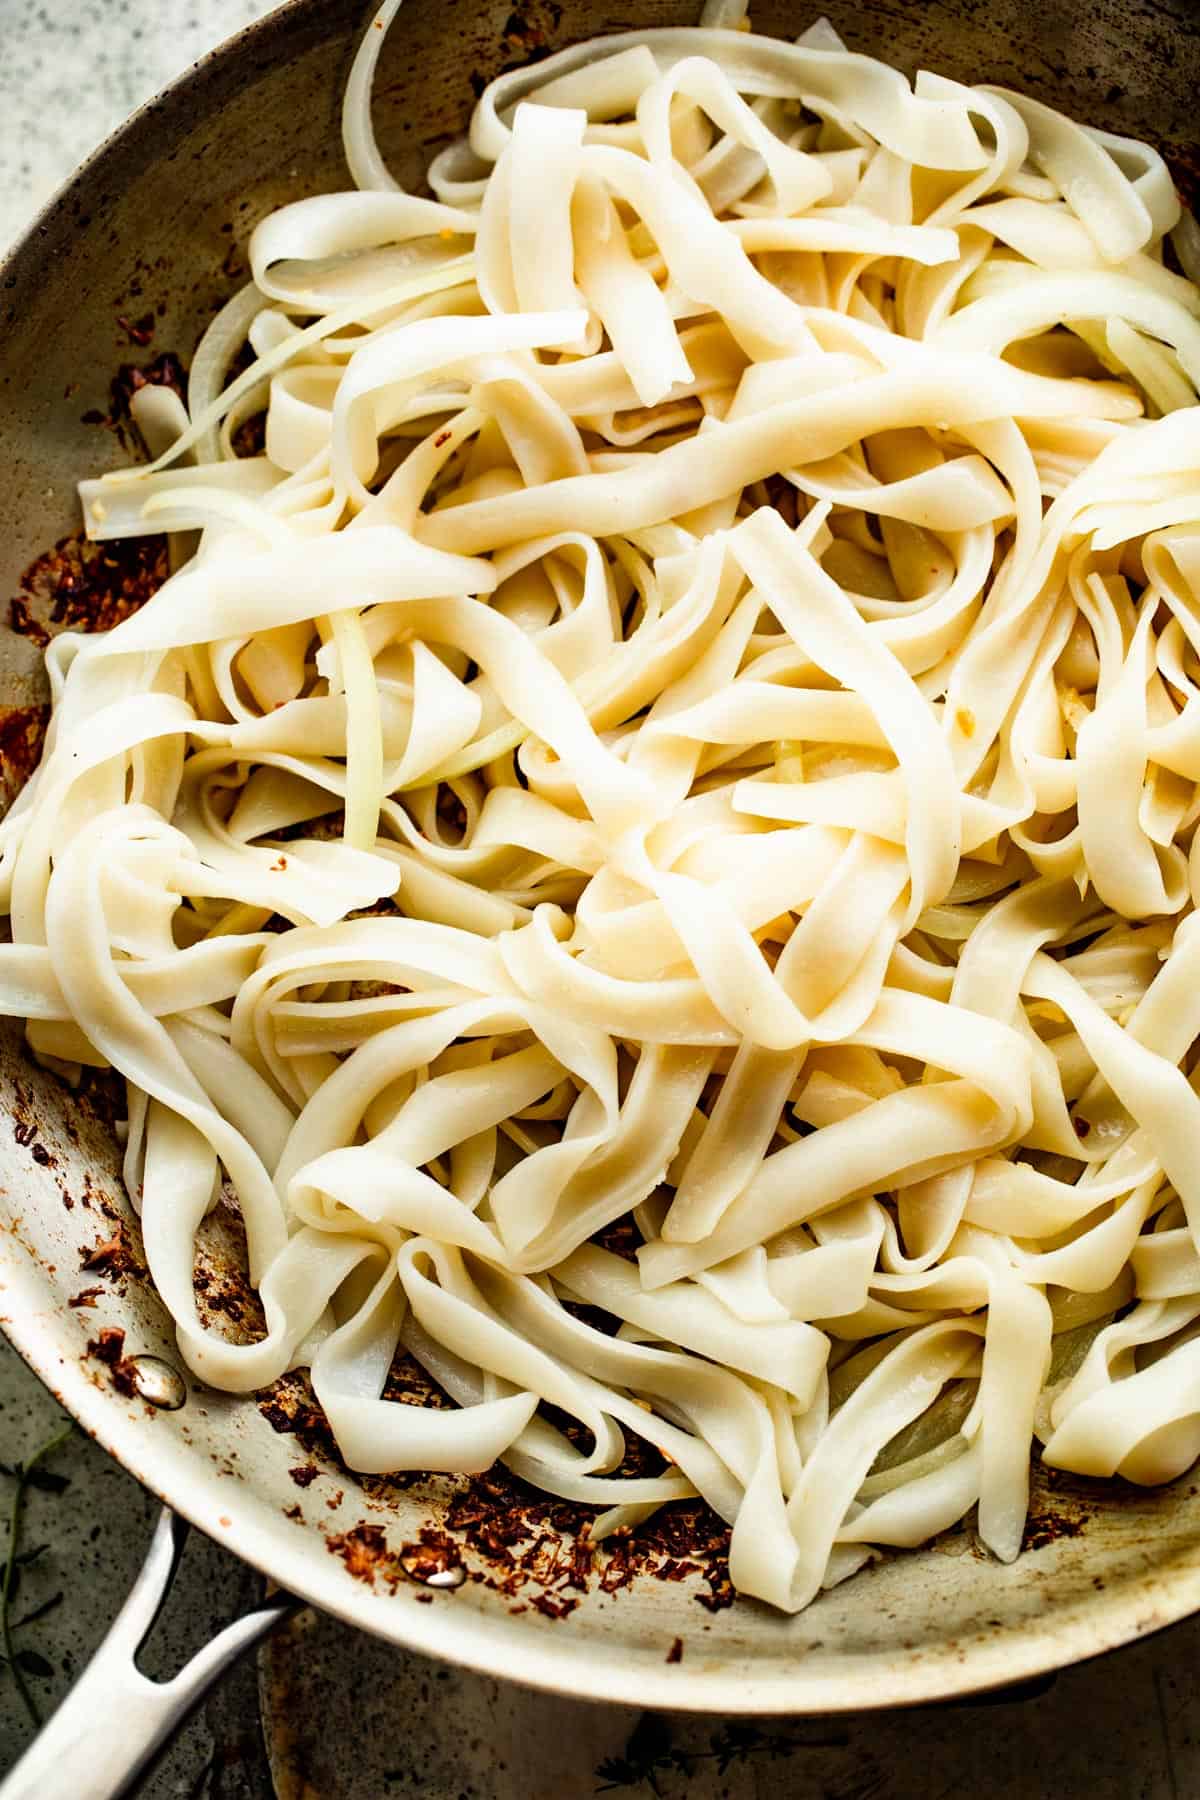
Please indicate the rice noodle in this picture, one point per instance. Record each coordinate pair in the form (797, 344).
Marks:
(725, 583)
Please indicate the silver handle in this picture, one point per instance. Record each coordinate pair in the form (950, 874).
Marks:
(107, 1731)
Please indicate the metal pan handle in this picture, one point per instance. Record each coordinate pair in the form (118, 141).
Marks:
(114, 1721)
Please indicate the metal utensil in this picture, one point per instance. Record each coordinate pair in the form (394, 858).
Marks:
(106, 1734)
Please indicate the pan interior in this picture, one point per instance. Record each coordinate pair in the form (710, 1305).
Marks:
(154, 224)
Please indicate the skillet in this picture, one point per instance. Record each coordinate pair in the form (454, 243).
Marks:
(145, 240)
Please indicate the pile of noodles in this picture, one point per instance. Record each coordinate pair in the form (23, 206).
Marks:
(694, 714)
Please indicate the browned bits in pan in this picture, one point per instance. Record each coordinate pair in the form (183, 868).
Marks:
(108, 1347)
(81, 586)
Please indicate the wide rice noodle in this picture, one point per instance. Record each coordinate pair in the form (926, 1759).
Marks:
(704, 687)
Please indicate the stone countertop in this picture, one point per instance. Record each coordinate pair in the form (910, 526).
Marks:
(72, 72)
(329, 1715)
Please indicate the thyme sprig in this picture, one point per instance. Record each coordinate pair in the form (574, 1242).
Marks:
(650, 1752)
(25, 1475)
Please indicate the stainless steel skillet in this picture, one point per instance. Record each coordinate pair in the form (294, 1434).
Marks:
(151, 228)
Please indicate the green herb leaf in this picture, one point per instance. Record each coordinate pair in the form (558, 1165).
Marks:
(649, 1749)
(39, 1612)
(617, 1772)
(26, 1475)
(30, 1663)
(46, 1481)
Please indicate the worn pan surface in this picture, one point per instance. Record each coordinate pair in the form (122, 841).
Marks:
(145, 238)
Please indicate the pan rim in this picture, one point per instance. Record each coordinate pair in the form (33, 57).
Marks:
(957, 1670)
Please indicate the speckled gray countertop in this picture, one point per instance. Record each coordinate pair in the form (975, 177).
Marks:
(330, 1715)
(71, 72)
